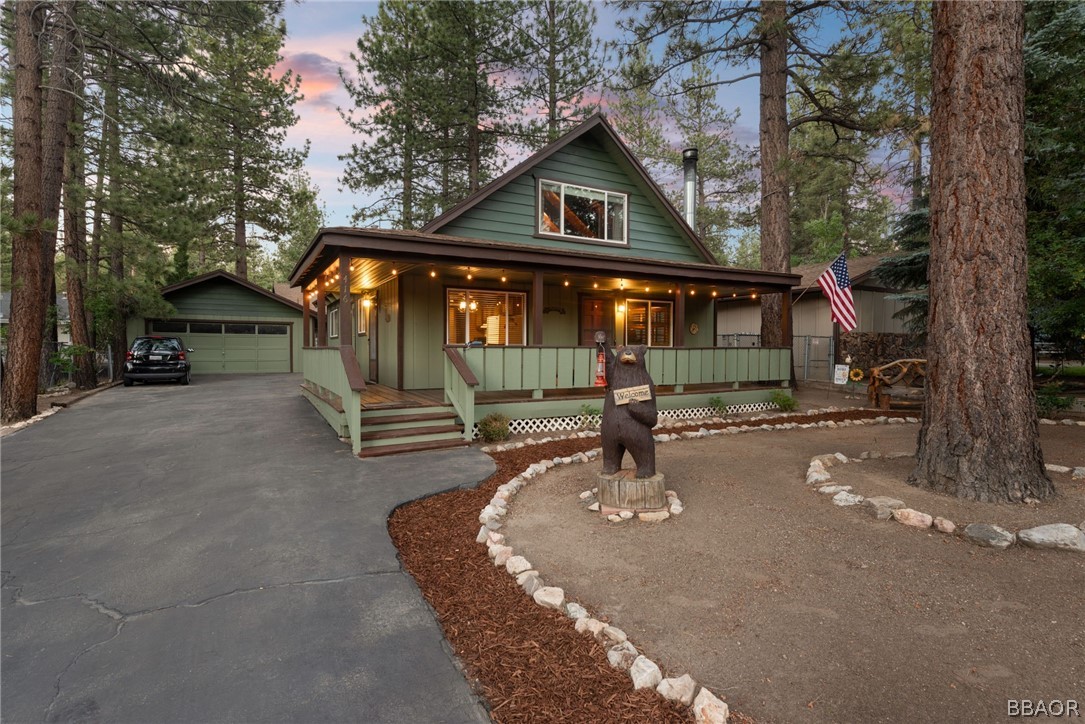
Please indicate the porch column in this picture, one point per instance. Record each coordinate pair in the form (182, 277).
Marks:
(537, 309)
(306, 332)
(785, 330)
(346, 307)
(785, 318)
(321, 318)
(679, 316)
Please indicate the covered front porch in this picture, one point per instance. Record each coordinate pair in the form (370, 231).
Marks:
(447, 330)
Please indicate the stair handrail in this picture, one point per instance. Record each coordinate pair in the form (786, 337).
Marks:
(460, 384)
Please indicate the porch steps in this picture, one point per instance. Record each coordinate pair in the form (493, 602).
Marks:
(395, 430)
(372, 452)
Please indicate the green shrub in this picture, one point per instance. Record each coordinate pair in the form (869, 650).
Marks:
(494, 427)
(716, 403)
(784, 401)
(589, 410)
(1049, 400)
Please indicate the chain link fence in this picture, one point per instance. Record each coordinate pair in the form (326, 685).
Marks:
(56, 364)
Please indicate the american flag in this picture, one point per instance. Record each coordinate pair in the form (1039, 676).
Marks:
(836, 286)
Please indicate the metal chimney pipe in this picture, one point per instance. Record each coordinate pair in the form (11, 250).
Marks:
(689, 170)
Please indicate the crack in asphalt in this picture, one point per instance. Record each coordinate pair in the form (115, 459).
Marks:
(57, 686)
(121, 618)
(29, 519)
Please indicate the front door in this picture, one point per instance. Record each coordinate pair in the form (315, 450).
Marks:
(596, 313)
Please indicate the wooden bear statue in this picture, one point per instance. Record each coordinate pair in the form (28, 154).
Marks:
(629, 412)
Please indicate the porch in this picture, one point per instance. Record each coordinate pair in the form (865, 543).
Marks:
(540, 389)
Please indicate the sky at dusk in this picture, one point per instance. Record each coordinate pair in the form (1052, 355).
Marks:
(321, 34)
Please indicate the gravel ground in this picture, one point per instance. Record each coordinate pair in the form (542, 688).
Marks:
(796, 610)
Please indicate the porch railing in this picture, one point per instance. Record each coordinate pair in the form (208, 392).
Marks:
(460, 384)
(548, 368)
(336, 370)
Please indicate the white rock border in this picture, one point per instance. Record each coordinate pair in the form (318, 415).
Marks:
(984, 534)
(621, 653)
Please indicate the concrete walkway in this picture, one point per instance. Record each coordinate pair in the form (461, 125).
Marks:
(212, 553)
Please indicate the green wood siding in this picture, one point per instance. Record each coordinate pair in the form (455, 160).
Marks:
(223, 299)
(509, 214)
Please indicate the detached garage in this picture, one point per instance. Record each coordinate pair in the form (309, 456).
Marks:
(232, 324)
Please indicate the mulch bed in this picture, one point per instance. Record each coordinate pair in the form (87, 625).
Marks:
(527, 662)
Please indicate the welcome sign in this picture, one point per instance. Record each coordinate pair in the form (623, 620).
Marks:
(640, 393)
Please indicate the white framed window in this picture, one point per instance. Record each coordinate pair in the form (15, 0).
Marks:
(333, 323)
(649, 322)
(480, 317)
(581, 212)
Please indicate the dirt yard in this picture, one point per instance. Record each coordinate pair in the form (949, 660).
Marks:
(797, 610)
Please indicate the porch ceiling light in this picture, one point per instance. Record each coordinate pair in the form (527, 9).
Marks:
(394, 271)
(621, 309)
(432, 273)
(753, 296)
(566, 282)
(367, 302)
(713, 292)
(503, 277)
(595, 285)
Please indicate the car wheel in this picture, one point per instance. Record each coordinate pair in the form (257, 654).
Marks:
(187, 378)
(127, 382)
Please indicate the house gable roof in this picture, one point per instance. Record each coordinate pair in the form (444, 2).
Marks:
(591, 154)
(860, 269)
(222, 275)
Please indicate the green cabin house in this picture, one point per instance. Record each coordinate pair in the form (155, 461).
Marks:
(494, 306)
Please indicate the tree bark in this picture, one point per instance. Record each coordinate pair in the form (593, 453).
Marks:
(58, 111)
(75, 249)
(241, 263)
(775, 220)
(980, 436)
(20, 378)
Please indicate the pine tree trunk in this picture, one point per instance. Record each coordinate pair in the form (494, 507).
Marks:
(58, 110)
(775, 219)
(553, 124)
(20, 378)
(980, 435)
(241, 263)
(75, 249)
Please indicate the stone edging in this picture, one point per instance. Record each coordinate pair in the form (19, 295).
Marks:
(622, 654)
(1060, 536)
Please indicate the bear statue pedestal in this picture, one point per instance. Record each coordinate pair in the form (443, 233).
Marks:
(624, 491)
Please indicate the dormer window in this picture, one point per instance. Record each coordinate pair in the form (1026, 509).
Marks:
(580, 212)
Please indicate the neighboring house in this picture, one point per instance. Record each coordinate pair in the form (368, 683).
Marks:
(494, 305)
(817, 339)
(232, 324)
(63, 320)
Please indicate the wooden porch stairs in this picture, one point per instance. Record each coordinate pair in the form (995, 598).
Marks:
(403, 430)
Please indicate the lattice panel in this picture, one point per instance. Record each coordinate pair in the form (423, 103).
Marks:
(531, 426)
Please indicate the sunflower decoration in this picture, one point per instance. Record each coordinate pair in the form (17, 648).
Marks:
(856, 374)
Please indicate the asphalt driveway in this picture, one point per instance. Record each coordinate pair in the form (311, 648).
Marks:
(212, 553)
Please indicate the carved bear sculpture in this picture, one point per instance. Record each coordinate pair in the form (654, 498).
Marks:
(629, 426)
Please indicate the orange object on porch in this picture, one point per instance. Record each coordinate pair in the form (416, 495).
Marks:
(600, 370)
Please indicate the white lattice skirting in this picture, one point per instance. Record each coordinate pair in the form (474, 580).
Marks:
(531, 426)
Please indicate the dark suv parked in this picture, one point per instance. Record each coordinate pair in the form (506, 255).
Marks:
(157, 358)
